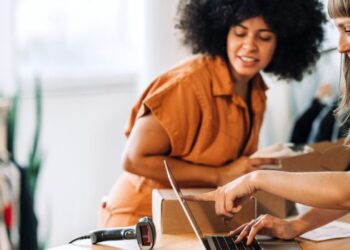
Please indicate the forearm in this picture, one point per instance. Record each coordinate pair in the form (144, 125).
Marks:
(314, 218)
(318, 189)
(185, 173)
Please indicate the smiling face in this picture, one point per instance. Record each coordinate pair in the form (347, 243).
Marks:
(250, 47)
(343, 26)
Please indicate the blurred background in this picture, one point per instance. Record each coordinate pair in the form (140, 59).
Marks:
(93, 58)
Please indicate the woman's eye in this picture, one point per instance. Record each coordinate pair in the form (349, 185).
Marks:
(240, 33)
(265, 38)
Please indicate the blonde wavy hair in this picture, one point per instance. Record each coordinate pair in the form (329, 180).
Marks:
(336, 9)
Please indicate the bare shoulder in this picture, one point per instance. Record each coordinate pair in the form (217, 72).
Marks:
(149, 135)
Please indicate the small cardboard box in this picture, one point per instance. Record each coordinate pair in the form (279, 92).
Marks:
(327, 156)
(274, 205)
(169, 217)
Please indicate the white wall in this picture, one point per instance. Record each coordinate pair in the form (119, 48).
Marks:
(82, 142)
(82, 133)
(7, 45)
(161, 47)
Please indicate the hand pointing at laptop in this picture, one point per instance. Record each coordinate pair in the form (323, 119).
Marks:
(229, 200)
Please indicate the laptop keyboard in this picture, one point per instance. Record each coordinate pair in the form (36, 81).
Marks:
(228, 243)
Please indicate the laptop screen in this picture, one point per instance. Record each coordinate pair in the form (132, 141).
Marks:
(266, 244)
(183, 202)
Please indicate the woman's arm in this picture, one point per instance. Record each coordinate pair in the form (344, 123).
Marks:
(329, 190)
(314, 218)
(149, 144)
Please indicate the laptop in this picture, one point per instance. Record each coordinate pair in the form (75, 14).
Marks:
(222, 242)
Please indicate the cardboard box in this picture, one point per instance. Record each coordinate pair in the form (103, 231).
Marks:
(273, 205)
(169, 217)
(327, 156)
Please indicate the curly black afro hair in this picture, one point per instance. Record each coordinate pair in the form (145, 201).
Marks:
(297, 24)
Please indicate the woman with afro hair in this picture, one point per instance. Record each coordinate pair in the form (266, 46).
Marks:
(203, 116)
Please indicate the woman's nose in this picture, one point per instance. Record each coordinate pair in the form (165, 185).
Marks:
(249, 43)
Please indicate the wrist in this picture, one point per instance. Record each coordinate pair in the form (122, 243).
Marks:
(217, 173)
(254, 180)
(297, 227)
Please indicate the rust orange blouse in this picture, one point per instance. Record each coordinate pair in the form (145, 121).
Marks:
(206, 121)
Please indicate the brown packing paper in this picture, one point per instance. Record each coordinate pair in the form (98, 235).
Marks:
(169, 218)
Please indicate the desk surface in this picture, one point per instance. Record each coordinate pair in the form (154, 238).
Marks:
(165, 241)
(189, 241)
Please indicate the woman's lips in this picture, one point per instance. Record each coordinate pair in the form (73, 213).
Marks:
(247, 60)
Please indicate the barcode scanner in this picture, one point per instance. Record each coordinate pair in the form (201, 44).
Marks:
(144, 232)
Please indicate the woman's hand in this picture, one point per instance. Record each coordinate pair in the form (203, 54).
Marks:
(230, 197)
(267, 225)
(241, 166)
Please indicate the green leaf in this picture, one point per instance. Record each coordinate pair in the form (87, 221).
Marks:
(34, 161)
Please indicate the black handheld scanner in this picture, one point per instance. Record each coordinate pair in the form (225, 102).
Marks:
(144, 232)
